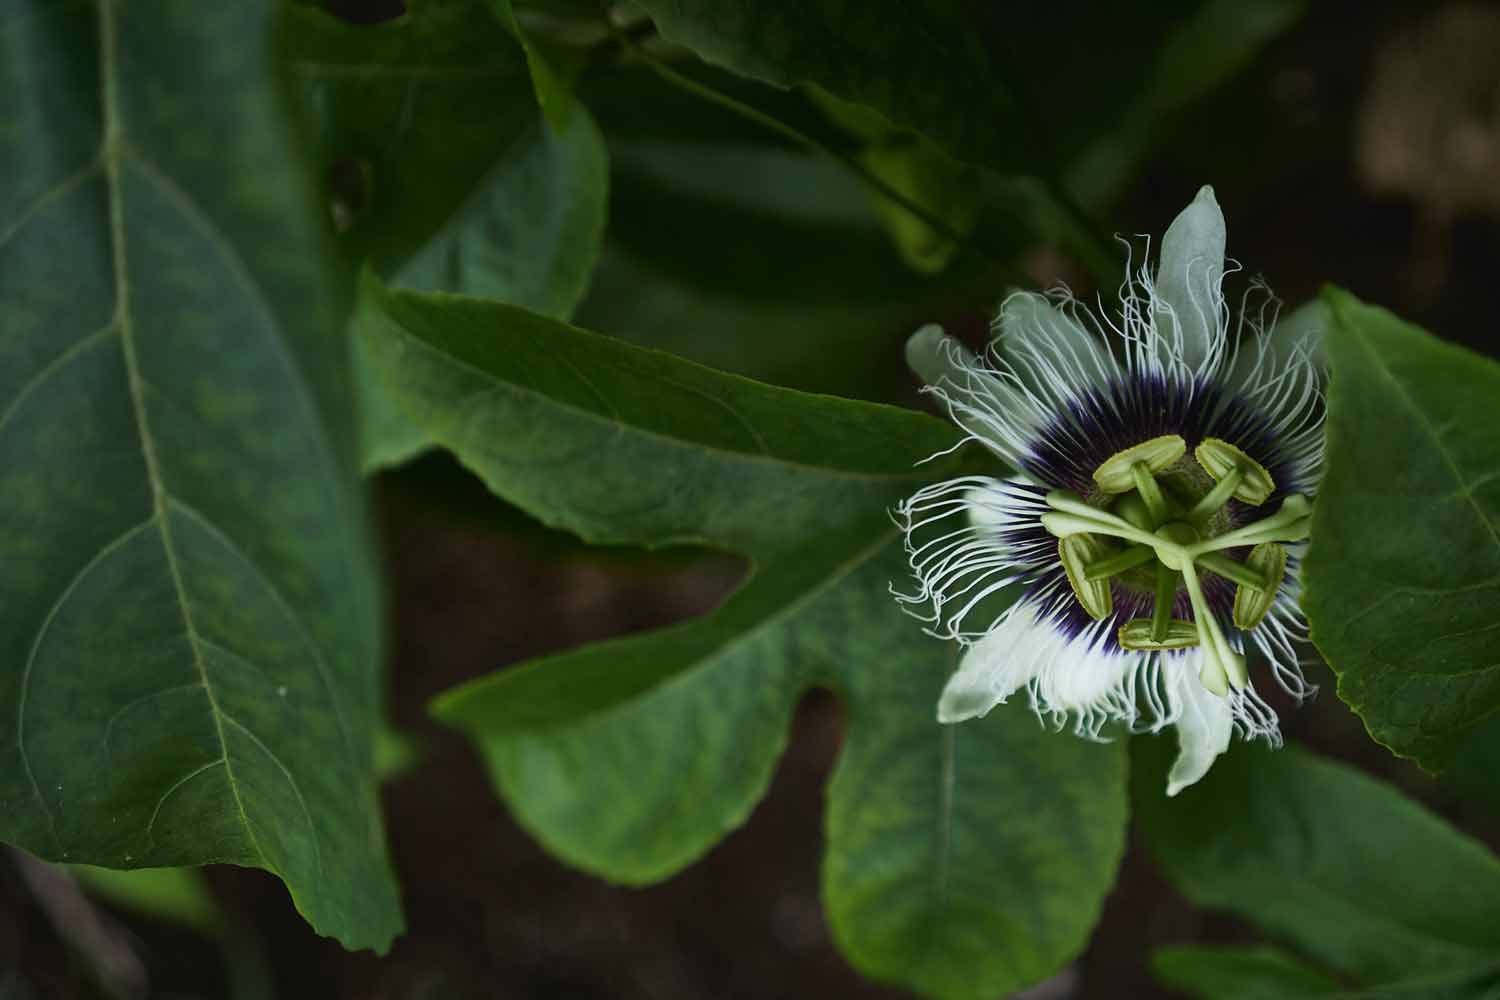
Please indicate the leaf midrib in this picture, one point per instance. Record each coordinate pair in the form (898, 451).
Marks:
(110, 156)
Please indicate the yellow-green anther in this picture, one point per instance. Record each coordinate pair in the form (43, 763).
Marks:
(1166, 595)
(1075, 553)
(1150, 492)
(1251, 604)
(1230, 569)
(1140, 634)
(1119, 562)
(1114, 474)
(1219, 458)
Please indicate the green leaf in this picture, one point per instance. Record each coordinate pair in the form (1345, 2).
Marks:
(922, 66)
(1345, 867)
(1238, 972)
(917, 169)
(188, 612)
(1481, 983)
(981, 81)
(632, 757)
(176, 895)
(444, 174)
(1402, 579)
(714, 226)
(552, 94)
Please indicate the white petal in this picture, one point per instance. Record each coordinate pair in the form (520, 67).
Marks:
(978, 399)
(1050, 351)
(1296, 339)
(994, 668)
(1188, 283)
(934, 356)
(1087, 681)
(1205, 722)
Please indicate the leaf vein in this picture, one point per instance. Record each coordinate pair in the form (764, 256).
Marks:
(94, 562)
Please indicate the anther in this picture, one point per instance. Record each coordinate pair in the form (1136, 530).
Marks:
(1267, 561)
(1114, 474)
(1076, 552)
(1140, 634)
(1219, 458)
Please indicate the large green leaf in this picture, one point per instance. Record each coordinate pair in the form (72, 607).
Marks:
(1356, 875)
(187, 613)
(632, 757)
(1403, 576)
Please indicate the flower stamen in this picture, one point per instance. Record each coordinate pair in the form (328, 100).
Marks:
(1230, 569)
(1222, 664)
(1166, 595)
(1118, 563)
(1289, 524)
(1150, 492)
(1115, 473)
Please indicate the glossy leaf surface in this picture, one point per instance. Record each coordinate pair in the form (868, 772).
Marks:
(187, 617)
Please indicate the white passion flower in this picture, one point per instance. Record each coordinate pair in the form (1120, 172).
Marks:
(1152, 533)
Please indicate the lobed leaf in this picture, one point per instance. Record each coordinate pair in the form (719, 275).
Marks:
(632, 757)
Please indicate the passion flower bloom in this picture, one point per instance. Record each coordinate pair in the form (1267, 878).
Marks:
(1167, 458)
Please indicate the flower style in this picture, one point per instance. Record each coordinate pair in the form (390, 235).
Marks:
(1153, 532)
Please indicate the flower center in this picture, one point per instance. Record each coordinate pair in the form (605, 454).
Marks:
(1159, 518)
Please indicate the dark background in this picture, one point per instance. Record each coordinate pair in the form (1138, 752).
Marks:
(1361, 148)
